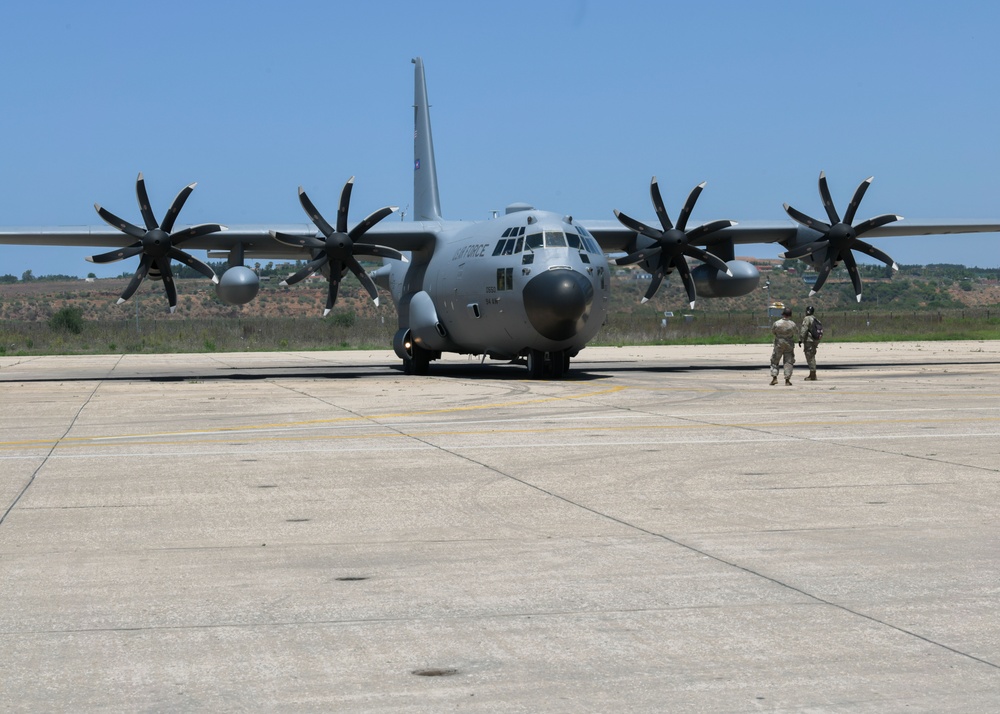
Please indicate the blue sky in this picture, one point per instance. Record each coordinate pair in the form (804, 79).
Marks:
(571, 105)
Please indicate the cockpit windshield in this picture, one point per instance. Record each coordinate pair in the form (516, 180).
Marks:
(555, 239)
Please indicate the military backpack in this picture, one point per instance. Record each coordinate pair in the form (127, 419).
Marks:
(816, 329)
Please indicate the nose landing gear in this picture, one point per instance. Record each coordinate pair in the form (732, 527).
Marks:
(556, 364)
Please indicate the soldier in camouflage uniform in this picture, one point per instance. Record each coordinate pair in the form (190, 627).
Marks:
(808, 343)
(784, 346)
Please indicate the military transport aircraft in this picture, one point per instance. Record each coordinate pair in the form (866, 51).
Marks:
(529, 285)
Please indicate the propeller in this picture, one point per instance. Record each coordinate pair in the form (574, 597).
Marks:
(673, 243)
(840, 237)
(156, 243)
(339, 246)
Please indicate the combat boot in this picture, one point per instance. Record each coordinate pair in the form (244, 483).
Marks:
(774, 380)
(811, 377)
(788, 381)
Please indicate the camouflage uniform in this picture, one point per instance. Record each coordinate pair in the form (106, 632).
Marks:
(784, 348)
(808, 343)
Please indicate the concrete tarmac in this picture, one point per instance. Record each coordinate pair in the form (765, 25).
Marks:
(660, 531)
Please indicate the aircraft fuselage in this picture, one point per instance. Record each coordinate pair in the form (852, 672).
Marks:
(526, 281)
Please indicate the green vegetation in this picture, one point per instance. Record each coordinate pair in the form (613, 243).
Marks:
(42, 316)
(168, 335)
(67, 319)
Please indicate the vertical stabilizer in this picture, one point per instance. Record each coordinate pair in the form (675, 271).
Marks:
(426, 202)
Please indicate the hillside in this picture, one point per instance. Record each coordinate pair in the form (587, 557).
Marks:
(66, 316)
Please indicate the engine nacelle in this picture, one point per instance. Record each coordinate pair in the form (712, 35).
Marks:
(709, 282)
(238, 285)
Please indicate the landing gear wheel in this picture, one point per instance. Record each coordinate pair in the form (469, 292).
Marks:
(560, 363)
(419, 362)
(536, 364)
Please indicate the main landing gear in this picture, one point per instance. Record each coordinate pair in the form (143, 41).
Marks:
(418, 361)
(555, 363)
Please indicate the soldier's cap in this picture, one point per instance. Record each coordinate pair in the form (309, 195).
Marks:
(787, 312)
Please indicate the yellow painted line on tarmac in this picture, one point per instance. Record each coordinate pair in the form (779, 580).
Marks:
(151, 440)
(309, 422)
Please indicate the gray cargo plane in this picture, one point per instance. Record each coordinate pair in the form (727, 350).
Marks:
(529, 285)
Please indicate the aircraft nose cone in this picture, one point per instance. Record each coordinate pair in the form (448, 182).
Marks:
(558, 303)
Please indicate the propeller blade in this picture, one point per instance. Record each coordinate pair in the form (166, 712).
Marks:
(345, 205)
(297, 241)
(661, 211)
(363, 277)
(807, 221)
(644, 254)
(147, 213)
(804, 250)
(175, 207)
(875, 222)
(202, 229)
(869, 249)
(638, 227)
(705, 257)
(115, 222)
(369, 221)
(859, 193)
(192, 262)
(654, 285)
(379, 251)
(331, 296)
(140, 273)
(116, 255)
(852, 270)
(163, 265)
(314, 215)
(698, 233)
(824, 273)
(311, 267)
(824, 194)
(689, 206)
(685, 273)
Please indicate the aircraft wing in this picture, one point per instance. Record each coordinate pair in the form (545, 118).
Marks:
(255, 240)
(613, 236)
